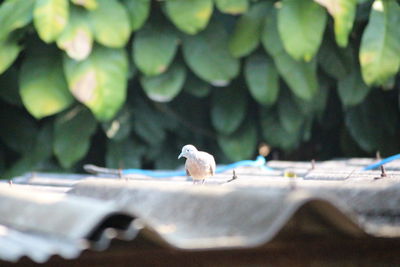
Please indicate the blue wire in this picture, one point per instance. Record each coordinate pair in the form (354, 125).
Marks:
(379, 163)
(259, 162)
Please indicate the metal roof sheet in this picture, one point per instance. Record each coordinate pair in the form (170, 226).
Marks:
(52, 214)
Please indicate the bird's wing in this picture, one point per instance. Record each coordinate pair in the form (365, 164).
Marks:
(213, 166)
(210, 162)
(212, 169)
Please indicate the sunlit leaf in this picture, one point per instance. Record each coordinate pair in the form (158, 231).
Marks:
(343, 13)
(246, 36)
(300, 76)
(99, 81)
(228, 109)
(166, 86)
(139, 11)
(301, 25)
(50, 18)
(88, 4)
(240, 145)
(14, 14)
(380, 44)
(208, 57)
(262, 79)
(110, 22)
(154, 48)
(190, 16)
(77, 38)
(72, 134)
(43, 88)
(232, 7)
(9, 50)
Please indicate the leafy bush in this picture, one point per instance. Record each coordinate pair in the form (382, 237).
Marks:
(127, 83)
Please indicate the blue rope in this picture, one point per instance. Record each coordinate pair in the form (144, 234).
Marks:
(379, 163)
(259, 162)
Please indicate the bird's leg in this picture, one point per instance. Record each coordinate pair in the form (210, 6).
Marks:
(202, 181)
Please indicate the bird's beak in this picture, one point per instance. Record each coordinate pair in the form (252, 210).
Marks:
(180, 155)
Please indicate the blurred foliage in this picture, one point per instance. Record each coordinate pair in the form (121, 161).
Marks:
(126, 83)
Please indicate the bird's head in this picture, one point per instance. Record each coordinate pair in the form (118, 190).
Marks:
(187, 151)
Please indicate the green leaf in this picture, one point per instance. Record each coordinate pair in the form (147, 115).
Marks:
(125, 154)
(372, 124)
(9, 87)
(148, 124)
(72, 134)
(246, 36)
(307, 129)
(2, 163)
(352, 89)
(88, 4)
(196, 87)
(301, 25)
(228, 109)
(380, 44)
(321, 99)
(154, 48)
(18, 130)
(335, 61)
(232, 7)
(276, 135)
(300, 76)
(110, 23)
(164, 87)
(190, 16)
(43, 88)
(290, 115)
(99, 81)
(9, 50)
(208, 57)
(77, 37)
(139, 11)
(39, 152)
(120, 127)
(343, 13)
(262, 79)
(50, 18)
(169, 160)
(315, 106)
(14, 14)
(240, 145)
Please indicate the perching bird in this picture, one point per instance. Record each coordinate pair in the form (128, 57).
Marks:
(199, 164)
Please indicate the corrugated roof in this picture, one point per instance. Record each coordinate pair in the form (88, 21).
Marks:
(52, 214)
